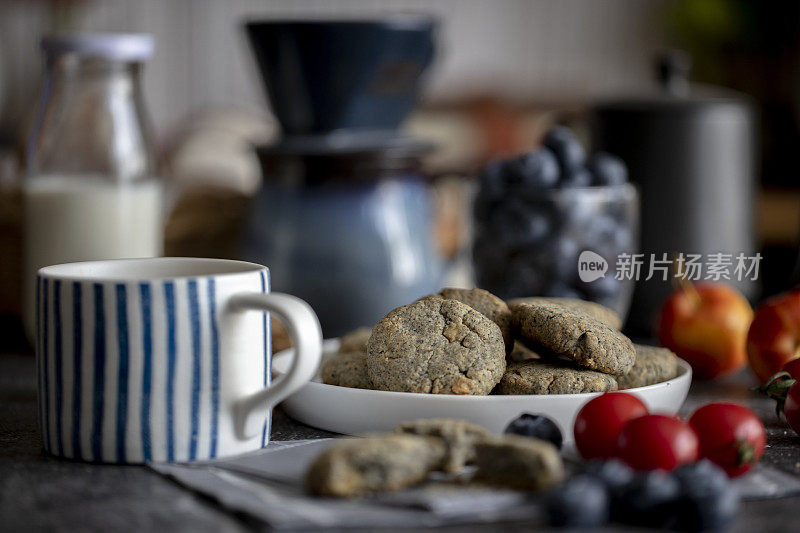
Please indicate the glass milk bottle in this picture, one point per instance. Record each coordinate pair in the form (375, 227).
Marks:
(90, 190)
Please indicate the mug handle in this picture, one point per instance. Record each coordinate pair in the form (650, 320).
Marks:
(303, 327)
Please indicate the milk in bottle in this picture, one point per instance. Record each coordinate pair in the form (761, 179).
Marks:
(89, 191)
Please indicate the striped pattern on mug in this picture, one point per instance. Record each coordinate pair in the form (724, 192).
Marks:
(131, 371)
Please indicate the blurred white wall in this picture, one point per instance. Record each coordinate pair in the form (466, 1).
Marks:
(545, 51)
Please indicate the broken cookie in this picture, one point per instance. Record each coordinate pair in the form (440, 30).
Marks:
(380, 463)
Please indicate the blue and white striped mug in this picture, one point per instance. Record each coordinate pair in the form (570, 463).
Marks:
(164, 359)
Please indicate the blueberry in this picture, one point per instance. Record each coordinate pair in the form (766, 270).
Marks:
(608, 237)
(534, 258)
(566, 147)
(619, 212)
(563, 260)
(648, 500)
(518, 225)
(504, 222)
(614, 473)
(493, 178)
(707, 501)
(486, 207)
(608, 169)
(582, 501)
(537, 427)
(702, 472)
(537, 227)
(536, 170)
(702, 510)
(577, 177)
(577, 213)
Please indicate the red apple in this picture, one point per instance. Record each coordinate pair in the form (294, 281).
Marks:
(774, 337)
(706, 324)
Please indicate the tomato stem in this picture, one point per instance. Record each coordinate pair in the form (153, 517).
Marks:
(777, 387)
(745, 452)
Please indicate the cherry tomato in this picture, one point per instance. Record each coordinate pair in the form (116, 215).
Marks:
(791, 408)
(657, 442)
(599, 422)
(731, 435)
(793, 368)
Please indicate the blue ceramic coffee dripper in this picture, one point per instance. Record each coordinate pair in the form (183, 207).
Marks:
(324, 76)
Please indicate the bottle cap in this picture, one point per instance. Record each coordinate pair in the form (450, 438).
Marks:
(120, 46)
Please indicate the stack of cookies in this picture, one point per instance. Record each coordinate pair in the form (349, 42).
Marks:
(468, 341)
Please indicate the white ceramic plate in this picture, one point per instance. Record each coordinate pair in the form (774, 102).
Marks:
(359, 411)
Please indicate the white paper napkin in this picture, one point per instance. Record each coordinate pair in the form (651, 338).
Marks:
(268, 485)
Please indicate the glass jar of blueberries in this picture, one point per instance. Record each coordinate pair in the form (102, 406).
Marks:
(538, 213)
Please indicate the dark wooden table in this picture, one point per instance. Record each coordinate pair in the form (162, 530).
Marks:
(38, 492)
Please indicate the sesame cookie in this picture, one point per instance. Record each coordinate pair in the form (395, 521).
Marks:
(522, 353)
(355, 341)
(653, 365)
(518, 462)
(438, 346)
(346, 369)
(459, 436)
(489, 306)
(574, 335)
(381, 463)
(539, 377)
(594, 310)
